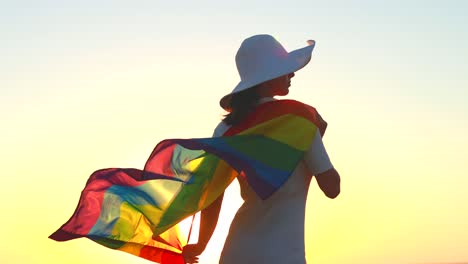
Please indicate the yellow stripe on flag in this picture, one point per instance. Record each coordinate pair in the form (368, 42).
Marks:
(286, 129)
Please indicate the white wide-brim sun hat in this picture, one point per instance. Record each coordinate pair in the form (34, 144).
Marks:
(261, 58)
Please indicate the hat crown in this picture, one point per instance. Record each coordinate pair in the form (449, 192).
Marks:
(257, 54)
(261, 58)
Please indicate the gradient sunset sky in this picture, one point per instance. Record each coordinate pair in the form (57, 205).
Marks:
(86, 85)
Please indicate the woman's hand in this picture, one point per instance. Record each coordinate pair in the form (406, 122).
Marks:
(191, 252)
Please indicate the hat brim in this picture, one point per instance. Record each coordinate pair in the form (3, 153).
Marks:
(295, 61)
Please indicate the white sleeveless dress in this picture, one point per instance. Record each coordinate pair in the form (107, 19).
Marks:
(272, 230)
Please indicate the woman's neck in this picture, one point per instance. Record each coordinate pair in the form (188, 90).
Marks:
(265, 99)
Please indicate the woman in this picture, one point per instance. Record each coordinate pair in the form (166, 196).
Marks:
(270, 230)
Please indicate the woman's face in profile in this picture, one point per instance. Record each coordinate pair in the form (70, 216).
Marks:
(278, 86)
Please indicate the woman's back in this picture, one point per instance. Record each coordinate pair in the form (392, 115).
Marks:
(272, 230)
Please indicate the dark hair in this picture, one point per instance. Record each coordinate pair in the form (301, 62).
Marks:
(242, 103)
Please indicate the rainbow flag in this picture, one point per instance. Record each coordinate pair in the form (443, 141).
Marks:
(137, 211)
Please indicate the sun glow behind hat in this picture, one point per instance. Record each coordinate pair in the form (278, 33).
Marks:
(261, 58)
